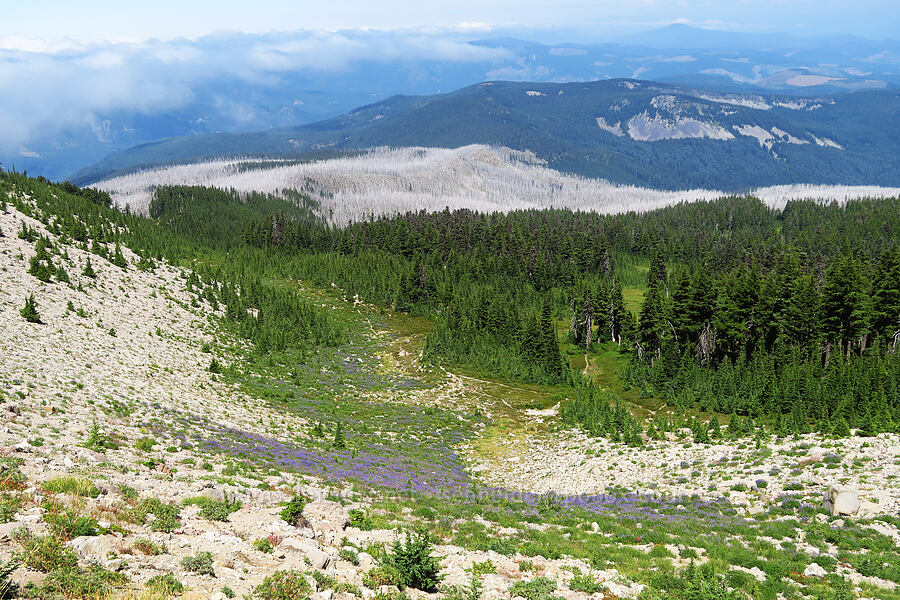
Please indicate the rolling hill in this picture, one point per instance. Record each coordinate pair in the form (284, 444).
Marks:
(627, 131)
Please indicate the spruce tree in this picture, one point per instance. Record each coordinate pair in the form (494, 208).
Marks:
(551, 357)
(29, 312)
(41, 268)
(840, 428)
(886, 295)
(89, 269)
(802, 315)
(118, 258)
(340, 442)
(653, 324)
(846, 308)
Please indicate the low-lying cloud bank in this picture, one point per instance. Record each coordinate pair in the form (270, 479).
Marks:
(390, 181)
(46, 90)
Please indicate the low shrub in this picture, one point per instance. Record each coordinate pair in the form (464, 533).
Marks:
(381, 575)
(293, 512)
(539, 588)
(145, 444)
(164, 584)
(148, 547)
(484, 568)
(213, 510)
(11, 478)
(79, 584)
(98, 440)
(693, 583)
(166, 517)
(584, 582)
(9, 505)
(283, 585)
(44, 553)
(201, 563)
(361, 520)
(69, 524)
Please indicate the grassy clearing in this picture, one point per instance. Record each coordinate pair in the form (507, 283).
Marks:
(74, 486)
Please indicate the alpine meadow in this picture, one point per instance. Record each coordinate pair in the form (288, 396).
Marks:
(574, 308)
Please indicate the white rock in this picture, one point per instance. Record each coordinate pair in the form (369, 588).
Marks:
(841, 501)
(814, 570)
(366, 561)
(94, 546)
(326, 515)
(6, 530)
(308, 548)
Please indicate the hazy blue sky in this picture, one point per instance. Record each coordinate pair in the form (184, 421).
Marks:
(96, 20)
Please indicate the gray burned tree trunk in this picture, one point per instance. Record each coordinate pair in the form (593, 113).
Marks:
(706, 345)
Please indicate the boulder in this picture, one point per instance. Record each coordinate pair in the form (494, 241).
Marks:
(94, 547)
(366, 561)
(292, 547)
(814, 570)
(6, 530)
(841, 501)
(218, 494)
(106, 488)
(326, 515)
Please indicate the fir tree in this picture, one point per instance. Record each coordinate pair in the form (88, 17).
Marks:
(653, 323)
(89, 269)
(29, 312)
(845, 303)
(886, 295)
(840, 428)
(118, 258)
(340, 442)
(41, 268)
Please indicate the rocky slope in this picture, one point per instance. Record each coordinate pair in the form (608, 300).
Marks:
(97, 403)
(79, 396)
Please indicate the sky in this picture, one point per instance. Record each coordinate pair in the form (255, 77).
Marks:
(92, 21)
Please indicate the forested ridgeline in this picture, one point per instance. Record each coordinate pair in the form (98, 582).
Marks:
(787, 316)
(272, 317)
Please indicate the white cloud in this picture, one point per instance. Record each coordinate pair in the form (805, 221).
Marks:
(48, 88)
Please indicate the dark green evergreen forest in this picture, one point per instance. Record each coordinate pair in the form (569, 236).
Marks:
(784, 319)
(789, 317)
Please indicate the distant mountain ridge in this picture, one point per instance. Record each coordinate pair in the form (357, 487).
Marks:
(213, 94)
(627, 131)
